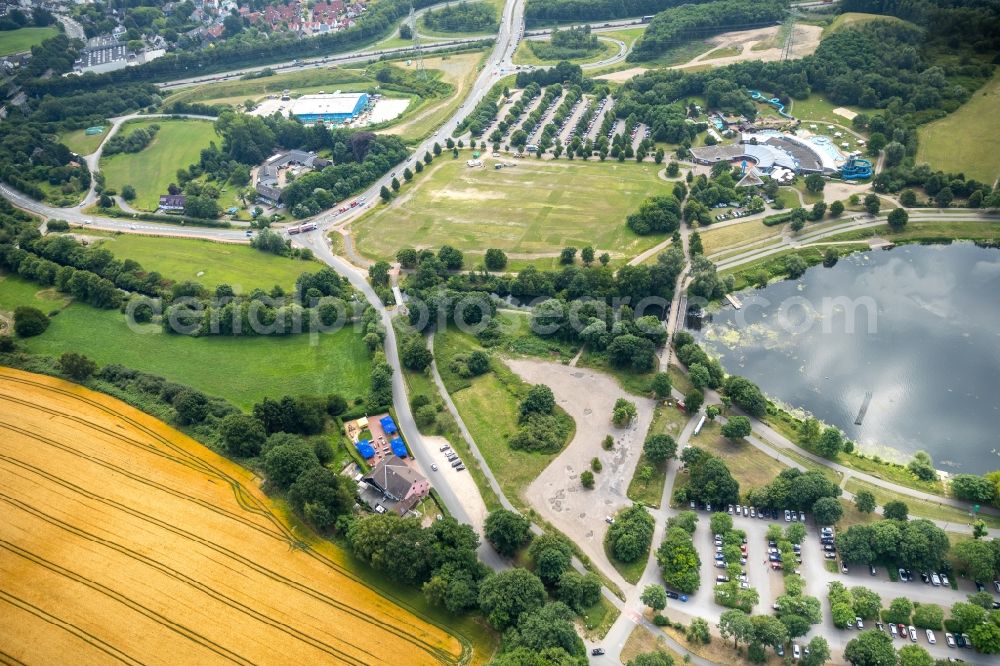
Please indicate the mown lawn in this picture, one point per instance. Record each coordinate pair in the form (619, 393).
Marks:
(177, 145)
(751, 467)
(22, 39)
(918, 507)
(210, 264)
(719, 239)
(535, 206)
(967, 140)
(668, 420)
(80, 143)
(488, 405)
(243, 370)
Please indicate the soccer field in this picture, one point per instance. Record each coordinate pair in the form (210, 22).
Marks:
(177, 145)
(532, 208)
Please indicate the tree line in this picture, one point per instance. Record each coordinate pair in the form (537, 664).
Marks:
(463, 17)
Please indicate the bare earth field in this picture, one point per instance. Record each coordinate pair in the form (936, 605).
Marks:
(124, 540)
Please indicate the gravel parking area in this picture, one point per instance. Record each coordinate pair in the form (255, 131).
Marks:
(588, 396)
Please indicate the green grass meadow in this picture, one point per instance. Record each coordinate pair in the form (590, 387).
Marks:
(80, 143)
(22, 39)
(968, 140)
(488, 405)
(177, 145)
(533, 207)
(243, 370)
(209, 263)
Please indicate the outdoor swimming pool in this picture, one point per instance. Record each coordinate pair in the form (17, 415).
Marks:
(824, 144)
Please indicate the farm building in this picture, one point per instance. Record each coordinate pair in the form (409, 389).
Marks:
(336, 108)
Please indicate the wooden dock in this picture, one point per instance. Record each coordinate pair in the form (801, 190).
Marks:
(734, 301)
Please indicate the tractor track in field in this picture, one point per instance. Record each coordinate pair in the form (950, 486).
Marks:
(177, 454)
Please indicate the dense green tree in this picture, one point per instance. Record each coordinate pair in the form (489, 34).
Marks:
(283, 464)
(827, 511)
(551, 556)
(242, 435)
(579, 591)
(914, 655)
(830, 443)
(898, 218)
(737, 625)
(507, 530)
(661, 385)
(506, 595)
(654, 597)
(76, 366)
(871, 648)
(29, 321)
(679, 561)
(737, 427)
(495, 260)
(864, 500)
(659, 448)
(322, 496)
(539, 400)
(895, 510)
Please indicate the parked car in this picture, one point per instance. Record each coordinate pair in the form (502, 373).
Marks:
(893, 630)
(935, 580)
(902, 630)
(779, 650)
(959, 641)
(880, 626)
(843, 568)
(913, 633)
(788, 516)
(672, 595)
(902, 574)
(859, 622)
(753, 512)
(730, 509)
(980, 587)
(944, 579)
(930, 637)
(434, 467)
(796, 651)
(802, 516)
(968, 641)
(949, 639)
(596, 652)
(925, 578)
(872, 570)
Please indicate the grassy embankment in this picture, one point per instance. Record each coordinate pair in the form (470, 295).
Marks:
(242, 370)
(177, 145)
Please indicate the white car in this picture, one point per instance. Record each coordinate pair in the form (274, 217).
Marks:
(893, 631)
(796, 651)
(950, 640)
(913, 633)
(859, 622)
(930, 637)
(434, 467)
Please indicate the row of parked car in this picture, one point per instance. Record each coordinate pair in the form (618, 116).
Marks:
(452, 457)
(763, 514)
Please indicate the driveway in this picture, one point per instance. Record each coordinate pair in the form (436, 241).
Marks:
(588, 396)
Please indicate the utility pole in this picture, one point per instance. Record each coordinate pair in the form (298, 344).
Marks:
(419, 57)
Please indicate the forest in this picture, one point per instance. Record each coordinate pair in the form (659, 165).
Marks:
(463, 17)
(543, 11)
(688, 22)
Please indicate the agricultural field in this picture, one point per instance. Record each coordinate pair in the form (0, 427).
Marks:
(177, 145)
(531, 209)
(22, 39)
(80, 143)
(242, 370)
(967, 140)
(125, 538)
(210, 263)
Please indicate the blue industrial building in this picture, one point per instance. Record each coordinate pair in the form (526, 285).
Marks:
(337, 108)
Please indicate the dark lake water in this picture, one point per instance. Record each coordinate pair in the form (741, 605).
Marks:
(925, 342)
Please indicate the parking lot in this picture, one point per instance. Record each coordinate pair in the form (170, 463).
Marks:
(770, 585)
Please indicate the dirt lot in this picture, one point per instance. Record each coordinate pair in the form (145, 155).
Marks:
(588, 397)
(767, 41)
(123, 538)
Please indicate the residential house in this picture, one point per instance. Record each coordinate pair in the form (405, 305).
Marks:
(399, 483)
(172, 202)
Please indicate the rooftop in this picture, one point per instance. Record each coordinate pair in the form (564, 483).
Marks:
(336, 103)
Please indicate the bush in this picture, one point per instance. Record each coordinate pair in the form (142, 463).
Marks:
(623, 412)
(29, 322)
(57, 225)
(76, 366)
(587, 479)
(661, 620)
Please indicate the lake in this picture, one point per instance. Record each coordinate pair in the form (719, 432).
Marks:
(924, 342)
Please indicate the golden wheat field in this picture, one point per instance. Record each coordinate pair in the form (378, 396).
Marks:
(123, 540)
